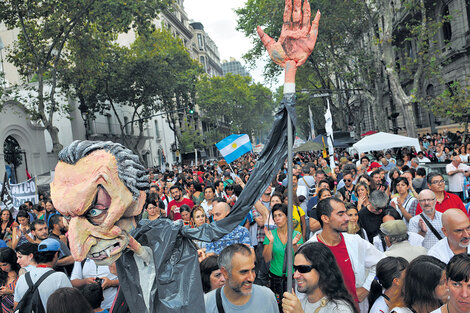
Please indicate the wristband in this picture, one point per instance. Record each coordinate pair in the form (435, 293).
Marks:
(289, 88)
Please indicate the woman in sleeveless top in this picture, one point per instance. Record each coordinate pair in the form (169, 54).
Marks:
(21, 233)
(8, 278)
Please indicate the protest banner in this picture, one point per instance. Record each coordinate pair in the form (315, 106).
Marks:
(19, 193)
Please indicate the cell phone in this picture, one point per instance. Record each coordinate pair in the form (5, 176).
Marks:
(99, 280)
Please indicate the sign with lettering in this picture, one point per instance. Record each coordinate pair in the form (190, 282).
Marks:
(22, 192)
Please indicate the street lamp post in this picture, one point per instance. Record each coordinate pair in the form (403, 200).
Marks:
(2, 46)
(84, 113)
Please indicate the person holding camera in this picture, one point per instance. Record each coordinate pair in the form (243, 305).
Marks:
(87, 272)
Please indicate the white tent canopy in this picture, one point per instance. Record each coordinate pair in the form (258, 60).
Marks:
(382, 141)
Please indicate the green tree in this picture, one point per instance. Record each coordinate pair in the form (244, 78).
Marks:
(131, 78)
(453, 103)
(340, 65)
(359, 53)
(235, 104)
(45, 28)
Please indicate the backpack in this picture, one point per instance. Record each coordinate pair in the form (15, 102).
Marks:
(31, 301)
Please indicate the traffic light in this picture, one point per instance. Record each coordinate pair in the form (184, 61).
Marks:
(190, 109)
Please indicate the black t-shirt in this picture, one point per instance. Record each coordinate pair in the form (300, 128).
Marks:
(370, 222)
(346, 193)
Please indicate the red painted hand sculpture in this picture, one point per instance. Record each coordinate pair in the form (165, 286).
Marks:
(297, 38)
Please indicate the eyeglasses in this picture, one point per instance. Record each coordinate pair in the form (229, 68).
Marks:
(427, 200)
(302, 269)
(437, 182)
(374, 208)
(348, 180)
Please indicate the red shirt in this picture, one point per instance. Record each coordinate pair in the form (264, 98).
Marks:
(176, 213)
(344, 263)
(450, 201)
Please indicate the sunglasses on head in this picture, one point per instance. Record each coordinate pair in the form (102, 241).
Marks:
(302, 269)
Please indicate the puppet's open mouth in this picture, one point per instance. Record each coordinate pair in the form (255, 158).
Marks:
(106, 253)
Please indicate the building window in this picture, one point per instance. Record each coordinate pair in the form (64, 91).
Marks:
(200, 41)
(467, 7)
(203, 61)
(409, 50)
(157, 132)
(451, 88)
(109, 121)
(446, 26)
(430, 91)
(159, 157)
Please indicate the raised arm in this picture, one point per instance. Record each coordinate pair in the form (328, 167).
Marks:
(297, 40)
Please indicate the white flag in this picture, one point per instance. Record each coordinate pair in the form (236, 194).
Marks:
(329, 134)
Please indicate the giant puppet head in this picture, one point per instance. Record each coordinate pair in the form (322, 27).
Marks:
(99, 187)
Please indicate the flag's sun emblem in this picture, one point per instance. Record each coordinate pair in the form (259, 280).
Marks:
(234, 145)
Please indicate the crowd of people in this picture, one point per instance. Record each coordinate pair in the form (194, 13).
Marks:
(373, 233)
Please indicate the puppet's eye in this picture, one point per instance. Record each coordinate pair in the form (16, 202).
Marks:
(95, 212)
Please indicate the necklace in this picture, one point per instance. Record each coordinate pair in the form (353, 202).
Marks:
(323, 303)
(324, 241)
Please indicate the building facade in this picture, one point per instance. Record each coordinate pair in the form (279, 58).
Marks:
(235, 67)
(452, 40)
(159, 145)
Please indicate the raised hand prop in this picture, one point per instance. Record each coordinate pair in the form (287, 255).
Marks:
(297, 40)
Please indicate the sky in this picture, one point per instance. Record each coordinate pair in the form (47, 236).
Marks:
(220, 22)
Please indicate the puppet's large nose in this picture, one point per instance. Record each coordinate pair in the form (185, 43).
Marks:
(83, 236)
(80, 238)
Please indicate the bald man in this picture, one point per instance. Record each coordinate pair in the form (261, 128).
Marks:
(238, 235)
(457, 171)
(429, 223)
(456, 228)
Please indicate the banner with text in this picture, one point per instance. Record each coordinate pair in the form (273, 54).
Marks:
(22, 192)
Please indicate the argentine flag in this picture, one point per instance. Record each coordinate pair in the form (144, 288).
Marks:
(234, 146)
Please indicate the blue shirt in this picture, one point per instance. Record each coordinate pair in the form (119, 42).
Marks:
(238, 235)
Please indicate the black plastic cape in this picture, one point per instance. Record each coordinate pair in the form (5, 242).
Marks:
(177, 286)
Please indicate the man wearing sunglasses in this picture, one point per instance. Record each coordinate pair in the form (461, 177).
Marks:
(348, 189)
(319, 283)
(371, 219)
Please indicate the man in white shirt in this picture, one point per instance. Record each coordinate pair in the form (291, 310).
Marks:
(457, 172)
(88, 272)
(422, 158)
(46, 257)
(318, 277)
(307, 181)
(355, 256)
(456, 227)
(209, 194)
(427, 200)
